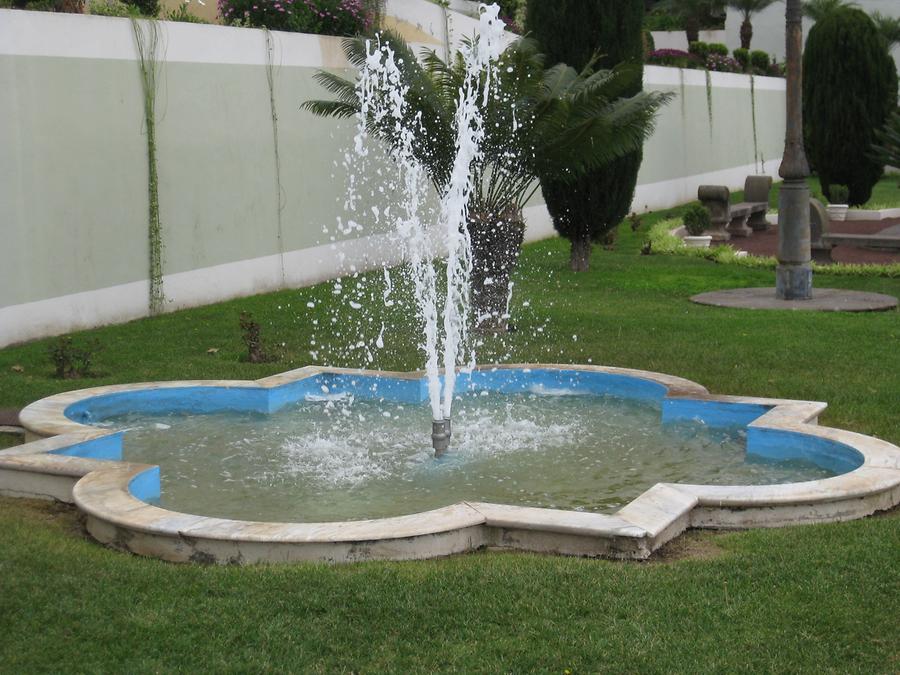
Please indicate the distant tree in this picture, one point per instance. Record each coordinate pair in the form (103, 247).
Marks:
(888, 27)
(849, 90)
(819, 9)
(748, 8)
(576, 32)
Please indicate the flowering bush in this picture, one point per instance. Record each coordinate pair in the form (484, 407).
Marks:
(722, 64)
(674, 57)
(322, 17)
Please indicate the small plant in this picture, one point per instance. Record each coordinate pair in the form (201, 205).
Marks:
(717, 48)
(608, 239)
(112, 8)
(742, 56)
(760, 60)
(838, 194)
(182, 14)
(722, 64)
(696, 220)
(251, 336)
(635, 221)
(70, 361)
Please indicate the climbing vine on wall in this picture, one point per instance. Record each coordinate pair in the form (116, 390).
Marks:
(146, 40)
(709, 111)
(753, 117)
(279, 192)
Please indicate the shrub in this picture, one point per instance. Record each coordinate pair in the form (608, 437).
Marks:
(252, 339)
(760, 59)
(717, 48)
(674, 57)
(144, 7)
(742, 56)
(839, 194)
(722, 64)
(111, 8)
(849, 90)
(70, 361)
(699, 49)
(511, 13)
(775, 69)
(696, 220)
(321, 17)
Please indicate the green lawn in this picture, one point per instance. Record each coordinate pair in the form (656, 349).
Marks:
(807, 599)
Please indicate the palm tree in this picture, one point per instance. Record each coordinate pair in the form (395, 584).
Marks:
(887, 143)
(819, 9)
(538, 121)
(693, 13)
(748, 8)
(888, 27)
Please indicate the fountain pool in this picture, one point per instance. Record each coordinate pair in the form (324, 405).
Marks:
(581, 460)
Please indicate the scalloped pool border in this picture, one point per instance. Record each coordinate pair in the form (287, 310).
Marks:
(75, 463)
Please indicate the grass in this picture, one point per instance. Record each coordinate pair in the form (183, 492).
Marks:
(807, 599)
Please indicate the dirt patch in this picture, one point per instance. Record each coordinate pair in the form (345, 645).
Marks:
(890, 513)
(691, 545)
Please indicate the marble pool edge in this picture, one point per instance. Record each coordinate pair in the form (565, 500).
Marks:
(102, 489)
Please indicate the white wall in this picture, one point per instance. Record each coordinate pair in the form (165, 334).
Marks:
(73, 166)
(677, 39)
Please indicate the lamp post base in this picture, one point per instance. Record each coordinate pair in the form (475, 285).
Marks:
(793, 281)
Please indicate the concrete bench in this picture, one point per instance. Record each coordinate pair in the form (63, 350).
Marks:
(741, 219)
(822, 240)
(822, 252)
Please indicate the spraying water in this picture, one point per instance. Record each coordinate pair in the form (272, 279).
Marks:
(444, 319)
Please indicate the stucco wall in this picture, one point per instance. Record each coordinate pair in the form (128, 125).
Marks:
(73, 166)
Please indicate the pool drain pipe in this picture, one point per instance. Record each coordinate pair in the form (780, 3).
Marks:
(440, 436)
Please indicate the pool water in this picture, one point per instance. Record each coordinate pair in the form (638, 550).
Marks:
(338, 458)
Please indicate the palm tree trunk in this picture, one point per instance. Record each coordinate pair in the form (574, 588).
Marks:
(496, 243)
(580, 254)
(692, 29)
(746, 34)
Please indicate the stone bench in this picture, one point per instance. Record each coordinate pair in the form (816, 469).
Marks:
(822, 251)
(740, 219)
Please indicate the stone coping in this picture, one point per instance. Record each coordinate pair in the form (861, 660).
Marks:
(108, 491)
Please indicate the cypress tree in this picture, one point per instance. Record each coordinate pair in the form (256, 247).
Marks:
(849, 91)
(574, 32)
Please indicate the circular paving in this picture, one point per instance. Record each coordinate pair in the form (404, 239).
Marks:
(823, 300)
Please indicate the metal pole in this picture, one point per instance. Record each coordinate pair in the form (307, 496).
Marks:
(793, 277)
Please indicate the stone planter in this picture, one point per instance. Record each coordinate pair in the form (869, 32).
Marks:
(701, 241)
(837, 212)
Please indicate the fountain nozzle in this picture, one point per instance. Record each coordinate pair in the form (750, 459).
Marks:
(440, 436)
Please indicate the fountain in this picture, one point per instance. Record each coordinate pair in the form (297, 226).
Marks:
(327, 463)
(383, 98)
